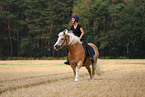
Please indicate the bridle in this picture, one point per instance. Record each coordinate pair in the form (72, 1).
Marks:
(66, 39)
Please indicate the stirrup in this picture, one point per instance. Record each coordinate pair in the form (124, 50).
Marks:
(92, 59)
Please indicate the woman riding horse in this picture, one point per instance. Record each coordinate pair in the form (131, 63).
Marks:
(77, 55)
(77, 30)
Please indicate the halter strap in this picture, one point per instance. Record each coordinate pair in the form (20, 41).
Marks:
(66, 40)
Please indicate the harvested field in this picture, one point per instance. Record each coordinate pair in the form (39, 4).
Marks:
(51, 78)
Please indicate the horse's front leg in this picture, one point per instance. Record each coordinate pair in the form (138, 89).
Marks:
(73, 66)
(79, 65)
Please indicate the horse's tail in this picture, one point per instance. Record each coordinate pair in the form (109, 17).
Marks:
(99, 70)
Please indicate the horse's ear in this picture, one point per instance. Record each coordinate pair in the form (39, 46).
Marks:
(63, 32)
(66, 31)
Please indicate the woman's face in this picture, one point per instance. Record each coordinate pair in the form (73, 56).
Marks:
(73, 20)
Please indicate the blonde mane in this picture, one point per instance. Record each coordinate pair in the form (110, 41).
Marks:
(73, 39)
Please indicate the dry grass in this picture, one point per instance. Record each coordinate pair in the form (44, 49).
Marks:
(122, 78)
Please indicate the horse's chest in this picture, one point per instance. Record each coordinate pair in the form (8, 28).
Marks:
(73, 61)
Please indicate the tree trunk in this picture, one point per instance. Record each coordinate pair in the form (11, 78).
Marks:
(10, 35)
(63, 18)
(69, 14)
(53, 53)
(127, 49)
(18, 41)
(104, 23)
(10, 39)
(51, 27)
(58, 54)
(0, 15)
(42, 42)
(1, 7)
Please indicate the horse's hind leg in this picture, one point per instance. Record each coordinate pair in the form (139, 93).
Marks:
(89, 70)
(93, 70)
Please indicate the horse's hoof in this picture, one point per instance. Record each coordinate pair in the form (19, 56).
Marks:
(76, 78)
(92, 78)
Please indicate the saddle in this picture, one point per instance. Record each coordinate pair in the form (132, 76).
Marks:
(87, 53)
(92, 50)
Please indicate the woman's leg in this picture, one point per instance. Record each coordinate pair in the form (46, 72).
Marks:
(89, 51)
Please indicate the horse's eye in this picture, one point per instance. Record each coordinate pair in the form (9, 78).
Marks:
(62, 39)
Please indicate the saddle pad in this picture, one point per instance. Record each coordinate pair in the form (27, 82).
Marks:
(92, 50)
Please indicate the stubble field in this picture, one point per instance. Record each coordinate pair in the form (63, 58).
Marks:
(51, 78)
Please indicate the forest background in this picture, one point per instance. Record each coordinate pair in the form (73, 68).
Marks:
(29, 28)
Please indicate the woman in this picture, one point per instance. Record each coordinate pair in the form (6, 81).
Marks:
(77, 30)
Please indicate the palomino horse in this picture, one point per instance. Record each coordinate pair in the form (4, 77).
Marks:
(77, 55)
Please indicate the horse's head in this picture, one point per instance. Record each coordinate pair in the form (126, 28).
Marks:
(62, 40)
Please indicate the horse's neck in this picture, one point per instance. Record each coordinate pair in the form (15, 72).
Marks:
(75, 48)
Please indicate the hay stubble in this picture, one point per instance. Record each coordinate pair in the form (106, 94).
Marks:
(53, 79)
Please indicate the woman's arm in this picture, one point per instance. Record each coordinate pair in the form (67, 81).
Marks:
(81, 29)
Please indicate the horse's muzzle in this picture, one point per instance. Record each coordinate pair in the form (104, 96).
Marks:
(56, 47)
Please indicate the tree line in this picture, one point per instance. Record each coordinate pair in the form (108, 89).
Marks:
(30, 28)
